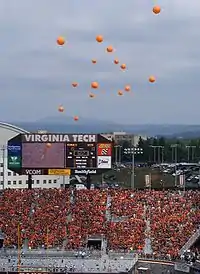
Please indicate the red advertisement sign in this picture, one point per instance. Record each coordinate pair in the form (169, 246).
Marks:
(104, 150)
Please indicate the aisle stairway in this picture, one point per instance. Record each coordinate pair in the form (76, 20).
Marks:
(147, 247)
(69, 217)
(108, 204)
(191, 241)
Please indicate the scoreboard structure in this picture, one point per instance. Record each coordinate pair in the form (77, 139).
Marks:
(60, 154)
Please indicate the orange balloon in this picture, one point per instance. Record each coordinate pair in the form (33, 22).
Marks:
(61, 109)
(60, 41)
(94, 61)
(116, 61)
(92, 95)
(48, 145)
(120, 93)
(123, 66)
(156, 9)
(76, 118)
(94, 85)
(127, 88)
(109, 49)
(99, 38)
(74, 84)
(152, 79)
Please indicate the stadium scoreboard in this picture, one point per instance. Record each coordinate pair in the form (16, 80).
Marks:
(60, 154)
(81, 155)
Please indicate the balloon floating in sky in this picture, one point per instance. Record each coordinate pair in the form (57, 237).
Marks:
(61, 109)
(156, 9)
(76, 118)
(123, 66)
(99, 38)
(94, 85)
(109, 49)
(127, 88)
(152, 79)
(92, 95)
(48, 145)
(75, 84)
(94, 61)
(60, 41)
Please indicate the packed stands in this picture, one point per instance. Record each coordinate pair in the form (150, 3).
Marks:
(129, 233)
(40, 213)
(55, 217)
(88, 216)
(173, 219)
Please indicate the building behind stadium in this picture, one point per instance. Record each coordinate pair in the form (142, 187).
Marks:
(9, 179)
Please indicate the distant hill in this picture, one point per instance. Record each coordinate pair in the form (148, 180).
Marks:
(66, 124)
(187, 135)
(63, 120)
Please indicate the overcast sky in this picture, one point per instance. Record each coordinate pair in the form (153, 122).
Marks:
(36, 74)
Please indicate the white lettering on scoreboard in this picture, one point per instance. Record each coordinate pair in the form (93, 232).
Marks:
(59, 138)
(33, 172)
(85, 171)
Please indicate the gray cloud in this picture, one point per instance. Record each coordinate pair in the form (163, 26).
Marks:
(36, 74)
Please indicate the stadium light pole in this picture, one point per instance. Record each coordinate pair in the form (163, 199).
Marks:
(133, 150)
(117, 154)
(188, 152)
(162, 157)
(162, 147)
(154, 153)
(174, 149)
(193, 150)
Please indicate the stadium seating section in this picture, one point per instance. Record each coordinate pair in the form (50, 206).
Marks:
(56, 216)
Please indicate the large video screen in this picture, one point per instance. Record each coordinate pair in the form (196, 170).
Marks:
(39, 155)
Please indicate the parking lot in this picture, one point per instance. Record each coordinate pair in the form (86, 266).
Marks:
(162, 175)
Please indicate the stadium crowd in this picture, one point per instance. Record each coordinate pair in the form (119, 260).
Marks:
(57, 217)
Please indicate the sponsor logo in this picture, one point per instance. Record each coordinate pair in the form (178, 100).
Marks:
(14, 161)
(104, 149)
(103, 162)
(14, 148)
(33, 172)
(85, 171)
(61, 172)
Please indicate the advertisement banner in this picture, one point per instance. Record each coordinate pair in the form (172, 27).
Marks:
(182, 180)
(61, 172)
(14, 162)
(148, 180)
(104, 162)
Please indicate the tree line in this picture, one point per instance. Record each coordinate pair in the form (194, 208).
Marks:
(158, 150)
